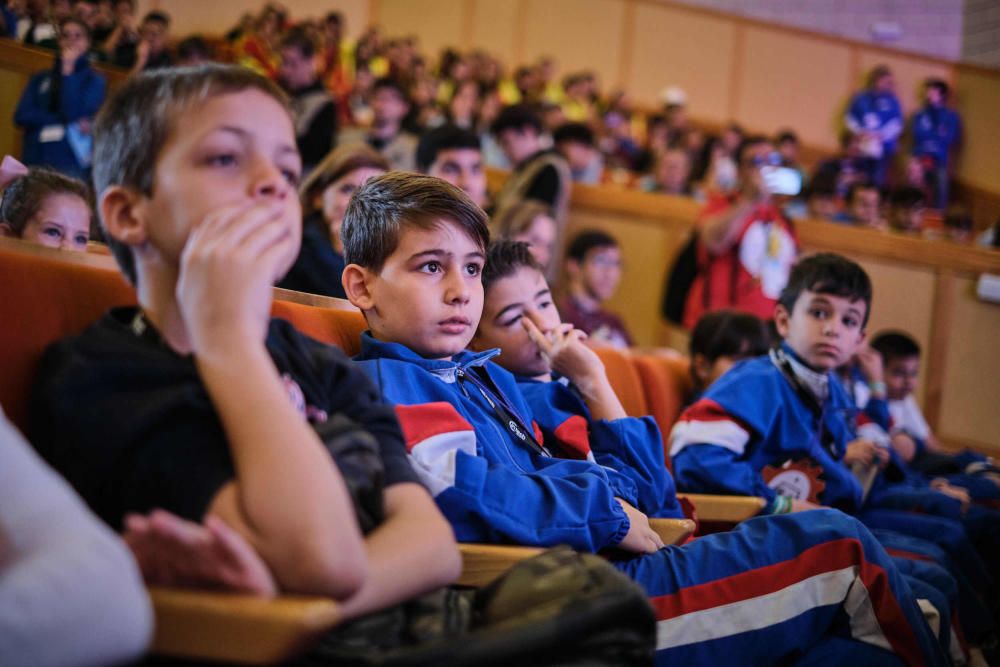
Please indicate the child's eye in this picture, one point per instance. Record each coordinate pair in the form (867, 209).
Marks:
(53, 232)
(544, 305)
(291, 176)
(222, 160)
(818, 313)
(850, 322)
(81, 239)
(511, 322)
(431, 267)
(473, 269)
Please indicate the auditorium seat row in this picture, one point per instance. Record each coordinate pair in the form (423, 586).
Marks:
(47, 295)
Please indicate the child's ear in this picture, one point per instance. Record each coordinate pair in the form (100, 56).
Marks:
(781, 317)
(357, 286)
(701, 368)
(124, 215)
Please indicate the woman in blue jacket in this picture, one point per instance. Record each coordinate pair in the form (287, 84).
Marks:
(58, 106)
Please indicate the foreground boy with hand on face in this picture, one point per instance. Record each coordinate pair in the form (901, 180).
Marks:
(197, 401)
(772, 590)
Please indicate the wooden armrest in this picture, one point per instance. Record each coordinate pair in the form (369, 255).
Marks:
(482, 563)
(207, 625)
(672, 531)
(724, 508)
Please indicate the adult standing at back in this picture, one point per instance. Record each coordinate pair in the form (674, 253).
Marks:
(746, 246)
(876, 117)
(58, 105)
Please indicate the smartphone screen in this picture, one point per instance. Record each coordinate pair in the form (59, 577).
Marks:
(782, 180)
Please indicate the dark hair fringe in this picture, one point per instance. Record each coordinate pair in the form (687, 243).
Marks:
(504, 258)
(828, 273)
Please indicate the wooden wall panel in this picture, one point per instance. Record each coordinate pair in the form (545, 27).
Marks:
(12, 84)
(494, 25)
(580, 34)
(793, 81)
(978, 94)
(437, 23)
(972, 370)
(675, 47)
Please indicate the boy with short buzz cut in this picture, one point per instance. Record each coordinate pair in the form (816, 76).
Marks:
(594, 269)
(197, 401)
(416, 247)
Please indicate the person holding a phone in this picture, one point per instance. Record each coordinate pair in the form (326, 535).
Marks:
(746, 246)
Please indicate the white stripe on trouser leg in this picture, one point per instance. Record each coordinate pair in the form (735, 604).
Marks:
(827, 588)
(864, 622)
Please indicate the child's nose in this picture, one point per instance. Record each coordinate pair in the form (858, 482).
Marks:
(268, 181)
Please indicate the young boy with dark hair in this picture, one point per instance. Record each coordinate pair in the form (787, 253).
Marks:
(594, 269)
(454, 154)
(196, 401)
(577, 144)
(719, 340)
(563, 380)
(911, 437)
(416, 247)
(907, 205)
(788, 443)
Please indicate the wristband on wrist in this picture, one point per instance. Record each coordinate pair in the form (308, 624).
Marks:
(877, 388)
(780, 505)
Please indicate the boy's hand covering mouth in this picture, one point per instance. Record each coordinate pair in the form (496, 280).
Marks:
(227, 269)
(563, 349)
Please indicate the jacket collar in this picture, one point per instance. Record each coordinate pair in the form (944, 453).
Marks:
(816, 382)
(446, 369)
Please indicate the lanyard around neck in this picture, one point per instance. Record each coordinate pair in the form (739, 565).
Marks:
(503, 411)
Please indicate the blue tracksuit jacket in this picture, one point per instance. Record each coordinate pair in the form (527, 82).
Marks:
(632, 446)
(774, 590)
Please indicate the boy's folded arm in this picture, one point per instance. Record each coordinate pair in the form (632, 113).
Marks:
(634, 447)
(288, 498)
(411, 552)
(557, 502)
(705, 468)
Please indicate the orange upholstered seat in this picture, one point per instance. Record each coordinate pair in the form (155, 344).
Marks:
(624, 379)
(666, 382)
(46, 295)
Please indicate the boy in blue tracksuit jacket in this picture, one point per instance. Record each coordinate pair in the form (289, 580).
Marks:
(781, 426)
(563, 380)
(774, 589)
(874, 114)
(936, 131)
